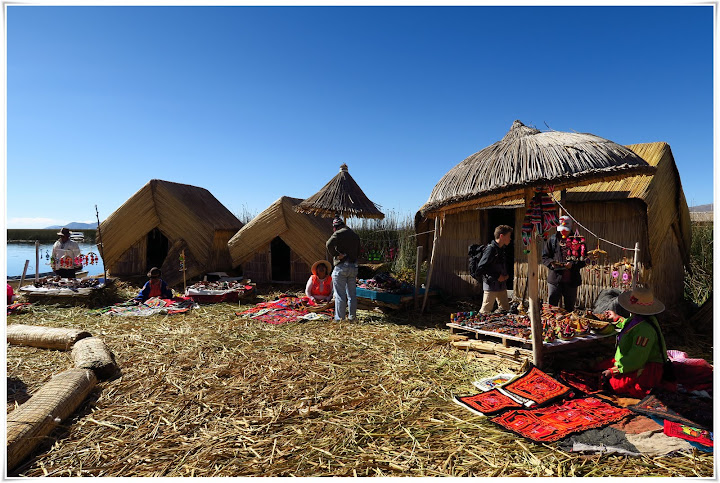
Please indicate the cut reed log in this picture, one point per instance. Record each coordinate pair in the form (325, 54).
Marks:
(54, 402)
(92, 353)
(44, 337)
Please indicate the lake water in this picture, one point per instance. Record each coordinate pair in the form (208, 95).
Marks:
(17, 253)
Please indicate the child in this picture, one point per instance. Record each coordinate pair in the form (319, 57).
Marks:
(319, 286)
(155, 287)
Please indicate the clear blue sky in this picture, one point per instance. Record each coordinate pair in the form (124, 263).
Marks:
(254, 103)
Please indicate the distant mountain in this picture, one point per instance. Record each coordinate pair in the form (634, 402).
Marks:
(701, 208)
(74, 226)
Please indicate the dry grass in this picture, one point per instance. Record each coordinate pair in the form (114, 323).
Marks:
(211, 394)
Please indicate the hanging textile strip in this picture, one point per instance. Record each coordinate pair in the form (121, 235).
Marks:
(696, 435)
(535, 388)
(559, 420)
(487, 403)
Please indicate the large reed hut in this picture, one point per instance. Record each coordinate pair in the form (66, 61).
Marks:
(161, 220)
(280, 244)
(648, 208)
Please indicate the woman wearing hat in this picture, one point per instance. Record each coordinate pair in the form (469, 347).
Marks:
(64, 253)
(640, 350)
(319, 286)
(155, 287)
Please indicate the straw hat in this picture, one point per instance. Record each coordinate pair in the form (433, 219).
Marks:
(640, 301)
(64, 232)
(328, 267)
(154, 272)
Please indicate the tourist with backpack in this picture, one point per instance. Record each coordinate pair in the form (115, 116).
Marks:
(492, 268)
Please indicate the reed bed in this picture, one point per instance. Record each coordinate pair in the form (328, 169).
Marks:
(210, 394)
(699, 284)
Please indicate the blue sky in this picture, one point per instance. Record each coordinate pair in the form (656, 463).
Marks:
(254, 103)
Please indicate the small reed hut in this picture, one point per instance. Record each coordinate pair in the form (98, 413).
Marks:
(647, 208)
(154, 226)
(280, 244)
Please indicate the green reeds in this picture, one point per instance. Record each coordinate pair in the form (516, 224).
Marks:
(390, 240)
(699, 282)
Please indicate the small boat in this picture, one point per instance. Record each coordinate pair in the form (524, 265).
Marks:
(77, 236)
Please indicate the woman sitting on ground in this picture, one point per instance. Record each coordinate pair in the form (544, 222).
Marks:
(640, 350)
(319, 286)
(155, 287)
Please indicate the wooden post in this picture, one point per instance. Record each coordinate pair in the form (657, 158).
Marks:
(418, 263)
(182, 268)
(22, 278)
(100, 245)
(563, 197)
(37, 260)
(636, 269)
(432, 261)
(534, 311)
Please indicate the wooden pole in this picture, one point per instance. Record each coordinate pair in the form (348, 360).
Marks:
(22, 278)
(100, 245)
(636, 269)
(418, 264)
(182, 255)
(37, 260)
(534, 312)
(432, 262)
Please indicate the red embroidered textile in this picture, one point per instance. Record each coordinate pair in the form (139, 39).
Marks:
(696, 435)
(487, 403)
(558, 420)
(536, 386)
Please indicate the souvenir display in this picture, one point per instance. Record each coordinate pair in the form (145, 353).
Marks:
(384, 282)
(622, 273)
(574, 248)
(540, 217)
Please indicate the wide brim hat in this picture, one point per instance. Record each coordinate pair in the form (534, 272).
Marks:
(328, 267)
(154, 272)
(64, 232)
(640, 301)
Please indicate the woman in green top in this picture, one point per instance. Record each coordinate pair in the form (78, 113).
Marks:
(640, 350)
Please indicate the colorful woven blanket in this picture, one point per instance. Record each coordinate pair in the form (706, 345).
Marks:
(285, 309)
(152, 306)
(677, 407)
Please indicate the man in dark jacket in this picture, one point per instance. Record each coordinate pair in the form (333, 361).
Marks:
(344, 247)
(563, 275)
(493, 266)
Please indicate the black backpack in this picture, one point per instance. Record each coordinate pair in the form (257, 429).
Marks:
(475, 253)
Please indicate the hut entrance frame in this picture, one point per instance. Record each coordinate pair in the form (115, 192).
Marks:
(280, 270)
(157, 249)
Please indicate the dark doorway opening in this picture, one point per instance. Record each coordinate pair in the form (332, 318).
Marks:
(157, 249)
(504, 216)
(279, 260)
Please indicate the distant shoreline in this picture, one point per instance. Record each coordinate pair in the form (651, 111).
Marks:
(30, 235)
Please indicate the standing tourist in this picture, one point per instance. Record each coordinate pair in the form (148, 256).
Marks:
(563, 275)
(64, 254)
(493, 266)
(344, 247)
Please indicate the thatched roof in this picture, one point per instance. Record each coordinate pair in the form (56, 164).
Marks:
(179, 211)
(304, 234)
(341, 195)
(525, 158)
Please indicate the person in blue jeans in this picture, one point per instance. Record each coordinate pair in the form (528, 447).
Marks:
(344, 247)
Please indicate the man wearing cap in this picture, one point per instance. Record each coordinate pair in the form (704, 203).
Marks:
(563, 276)
(640, 350)
(64, 255)
(344, 247)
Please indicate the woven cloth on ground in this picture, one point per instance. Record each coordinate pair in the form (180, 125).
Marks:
(691, 374)
(285, 309)
(561, 419)
(16, 308)
(152, 306)
(487, 383)
(677, 407)
(488, 403)
(688, 433)
(535, 388)
(603, 440)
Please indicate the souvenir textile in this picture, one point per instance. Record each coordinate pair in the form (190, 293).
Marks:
(561, 419)
(285, 309)
(487, 383)
(677, 407)
(487, 403)
(587, 382)
(601, 440)
(151, 306)
(688, 433)
(17, 308)
(540, 217)
(535, 388)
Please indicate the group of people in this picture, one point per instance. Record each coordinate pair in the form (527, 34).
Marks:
(640, 359)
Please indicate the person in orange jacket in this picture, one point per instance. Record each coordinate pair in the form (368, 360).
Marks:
(319, 286)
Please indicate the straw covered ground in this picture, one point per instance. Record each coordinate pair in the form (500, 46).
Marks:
(211, 394)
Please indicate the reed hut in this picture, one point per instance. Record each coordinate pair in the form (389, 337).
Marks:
(340, 196)
(280, 244)
(649, 208)
(158, 223)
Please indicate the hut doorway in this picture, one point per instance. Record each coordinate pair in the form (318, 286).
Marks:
(157, 249)
(503, 216)
(279, 260)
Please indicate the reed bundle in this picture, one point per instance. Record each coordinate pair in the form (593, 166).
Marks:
(211, 394)
(45, 337)
(92, 353)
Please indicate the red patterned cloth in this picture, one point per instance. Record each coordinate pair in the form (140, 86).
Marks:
(559, 420)
(696, 435)
(487, 403)
(536, 388)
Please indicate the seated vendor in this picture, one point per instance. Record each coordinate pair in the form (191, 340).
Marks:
(640, 350)
(319, 286)
(155, 287)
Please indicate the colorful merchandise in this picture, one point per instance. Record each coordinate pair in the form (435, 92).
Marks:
(152, 306)
(677, 407)
(285, 309)
(688, 433)
(535, 388)
(487, 383)
(488, 403)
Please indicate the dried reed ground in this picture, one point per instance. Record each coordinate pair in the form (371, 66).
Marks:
(211, 394)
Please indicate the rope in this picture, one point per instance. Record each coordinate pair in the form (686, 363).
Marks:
(585, 228)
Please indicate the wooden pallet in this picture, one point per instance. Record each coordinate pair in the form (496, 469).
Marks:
(590, 340)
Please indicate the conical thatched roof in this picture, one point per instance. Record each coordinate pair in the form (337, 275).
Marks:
(342, 196)
(527, 157)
